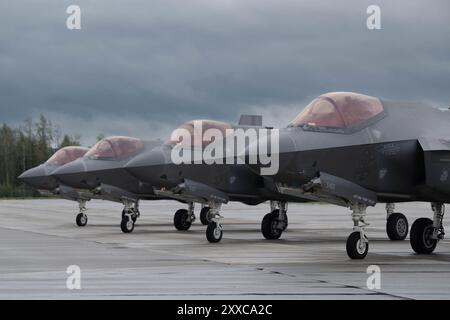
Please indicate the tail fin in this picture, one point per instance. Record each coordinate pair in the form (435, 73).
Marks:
(250, 120)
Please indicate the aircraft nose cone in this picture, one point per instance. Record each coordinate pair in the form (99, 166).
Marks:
(34, 177)
(147, 167)
(71, 174)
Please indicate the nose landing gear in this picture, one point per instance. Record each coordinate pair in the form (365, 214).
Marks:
(82, 218)
(358, 243)
(130, 214)
(214, 231)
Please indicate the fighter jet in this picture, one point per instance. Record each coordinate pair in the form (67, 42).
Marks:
(355, 151)
(99, 173)
(41, 178)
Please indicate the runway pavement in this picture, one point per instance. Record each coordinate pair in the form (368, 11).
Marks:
(39, 240)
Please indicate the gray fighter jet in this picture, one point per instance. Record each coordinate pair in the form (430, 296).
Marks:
(41, 178)
(356, 151)
(99, 173)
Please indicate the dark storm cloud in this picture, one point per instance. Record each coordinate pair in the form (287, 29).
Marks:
(137, 67)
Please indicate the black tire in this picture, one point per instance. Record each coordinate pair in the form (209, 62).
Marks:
(421, 231)
(181, 220)
(268, 226)
(397, 226)
(204, 216)
(81, 219)
(127, 225)
(354, 248)
(214, 232)
(133, 216)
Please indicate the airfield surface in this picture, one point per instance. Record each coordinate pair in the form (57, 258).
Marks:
(39, 240)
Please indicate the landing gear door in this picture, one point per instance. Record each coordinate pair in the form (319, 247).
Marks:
(437, 163)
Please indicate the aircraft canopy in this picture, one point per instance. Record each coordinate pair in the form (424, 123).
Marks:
(113, 147)
(338, 110)
(196, 130)
(66, 155)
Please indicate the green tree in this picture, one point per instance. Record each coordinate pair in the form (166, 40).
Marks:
(25, 147)
(100, 136)
(69, 141)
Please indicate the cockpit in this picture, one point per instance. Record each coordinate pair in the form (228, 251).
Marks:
(115, 147)
(66, 155)
(192, 133)
(338, 111)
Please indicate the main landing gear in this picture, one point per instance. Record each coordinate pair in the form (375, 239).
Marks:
(209, 215)
(276, 221)
(426, 233)
(357, 243)
(205, 217)
(396, 223)
(82, 218)
(183, 218)
(130, 213)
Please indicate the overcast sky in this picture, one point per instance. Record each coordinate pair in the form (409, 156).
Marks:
(142, 67)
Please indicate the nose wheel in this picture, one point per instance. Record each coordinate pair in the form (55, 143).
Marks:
(81, 219)
(214, 232)
(130, 213)
(127, 224)
(357, 246)
(357, 243)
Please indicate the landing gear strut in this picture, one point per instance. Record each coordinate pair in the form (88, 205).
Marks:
(396, 223)
(357, 243)
(130, 214)
(275, 222)
(82, 218)
(426, 233)
(214, 230)
(183, 218)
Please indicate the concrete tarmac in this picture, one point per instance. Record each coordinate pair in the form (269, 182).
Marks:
(39, 240)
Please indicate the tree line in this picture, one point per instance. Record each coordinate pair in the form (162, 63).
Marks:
(25, 146)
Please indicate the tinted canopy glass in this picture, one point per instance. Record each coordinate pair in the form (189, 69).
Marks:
(66, 155)
(339, 110)
(113, 147)
(196, 129)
